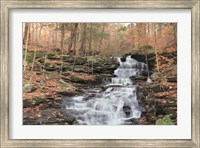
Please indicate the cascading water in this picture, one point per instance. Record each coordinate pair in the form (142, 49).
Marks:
(114, 106)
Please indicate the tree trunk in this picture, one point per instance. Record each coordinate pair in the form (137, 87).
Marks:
(26, 33)
(26, 50)
(83, 40)
(72, 37)
(147, 32)
(40, 31)
(43, 71)
(175, 31)
(75, 35)
(101, 40)
(56, 37)
(155, 48)
(62, 35)
(90, 40)
(35, 52)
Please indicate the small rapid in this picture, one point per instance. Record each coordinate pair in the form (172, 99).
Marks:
(116, 105)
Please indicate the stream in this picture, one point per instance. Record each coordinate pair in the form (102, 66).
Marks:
(113, 104)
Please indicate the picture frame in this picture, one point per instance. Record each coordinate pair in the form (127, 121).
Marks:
(4, 68)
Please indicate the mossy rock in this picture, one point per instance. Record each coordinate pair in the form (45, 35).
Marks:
(81, 61)
(68, 59)
(170, 110)
(50, 67)
(166, 120)
(52, 56)
(29, 88)
(81, 69)
(29, 103)
(155, 76)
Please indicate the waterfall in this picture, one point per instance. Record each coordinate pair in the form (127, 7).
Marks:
(116, 105)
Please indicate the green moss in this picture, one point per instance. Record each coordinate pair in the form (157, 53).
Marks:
(166, 120)
(155, 76)
(91, 59)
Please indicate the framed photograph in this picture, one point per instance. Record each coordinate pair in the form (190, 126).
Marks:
(100, 73)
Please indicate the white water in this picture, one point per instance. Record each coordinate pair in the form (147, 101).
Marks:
(114, 106)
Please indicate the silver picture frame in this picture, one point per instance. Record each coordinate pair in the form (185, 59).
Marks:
(7, 5)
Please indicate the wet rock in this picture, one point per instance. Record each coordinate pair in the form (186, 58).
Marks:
(30, 121)
(65, 92)
(138, 78)
(170, 110)
(155, 88)
(68, 117)
(29, 103)
(127, 110)
(50, 67)
(79, 80)
(56, 121)
(172, 79)
(80, 61)
(140, 57)
(123, 59)
(81, 69)
(65, 73)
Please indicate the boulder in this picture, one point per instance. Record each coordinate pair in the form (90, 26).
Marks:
(138, 78)
(172, 79)
(50, 67)
(127, 110)
(29, 88)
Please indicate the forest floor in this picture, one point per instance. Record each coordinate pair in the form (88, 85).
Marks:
(45, 87)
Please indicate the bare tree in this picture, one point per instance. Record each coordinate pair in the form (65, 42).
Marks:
(90, 38)
(26, 48)
(83, 40)
(155, 47)
(101, 40)
(26, 33)
(62, 35)
(72, 36)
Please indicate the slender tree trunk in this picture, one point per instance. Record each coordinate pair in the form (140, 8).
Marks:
(133, 39)
(90, 40)
(56, 39)
(62, 35)
(43, 72)
(32, 34)
(147, 65)
(40, 31)
(75, 35)
(61, 65)
(175, 31)
(26, 50)
(101, 40)
(26, 33)
(138, 35)
(155, 48)
(33, 63)
(72, 37)
(83, 40)
(35, 52)
(147, 32)
(36, 34)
